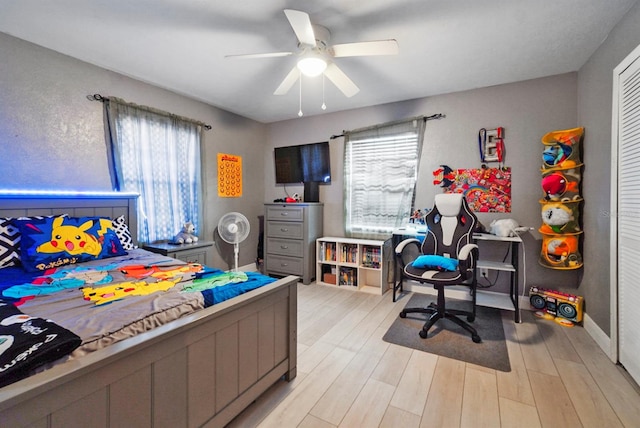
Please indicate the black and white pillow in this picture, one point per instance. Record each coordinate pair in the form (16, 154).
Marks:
(122, 230)
(9, 243)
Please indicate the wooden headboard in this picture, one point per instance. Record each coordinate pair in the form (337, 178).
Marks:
(111, 204)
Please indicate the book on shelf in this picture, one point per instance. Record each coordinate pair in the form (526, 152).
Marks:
(327, 251)
(348, 277)
(349, 253)
(371, 257)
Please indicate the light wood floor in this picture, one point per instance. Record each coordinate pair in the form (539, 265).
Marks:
(349, 377)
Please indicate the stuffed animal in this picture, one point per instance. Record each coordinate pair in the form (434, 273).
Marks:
(503, 227)
(186, 235)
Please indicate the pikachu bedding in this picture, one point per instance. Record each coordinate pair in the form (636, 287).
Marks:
(107, 300)
(76, 274)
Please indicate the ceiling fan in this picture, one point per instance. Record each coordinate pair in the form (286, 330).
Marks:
(316, 55)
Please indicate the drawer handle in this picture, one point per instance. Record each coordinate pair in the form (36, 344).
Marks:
(284, 214)
(284, 229)
(284, 264)
(284, 247)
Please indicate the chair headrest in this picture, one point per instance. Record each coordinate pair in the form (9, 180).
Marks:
(449, 204)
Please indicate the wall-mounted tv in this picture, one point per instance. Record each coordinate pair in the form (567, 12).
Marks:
(306, 163)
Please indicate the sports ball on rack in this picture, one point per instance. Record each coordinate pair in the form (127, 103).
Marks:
(562, 149)
(560, 217)
(560, 251)
(561, 185)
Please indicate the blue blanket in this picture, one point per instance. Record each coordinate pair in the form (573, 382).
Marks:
(225, 292)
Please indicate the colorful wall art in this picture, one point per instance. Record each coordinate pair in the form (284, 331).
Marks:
(486, 190)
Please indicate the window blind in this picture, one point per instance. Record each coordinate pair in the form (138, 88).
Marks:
(380, 172)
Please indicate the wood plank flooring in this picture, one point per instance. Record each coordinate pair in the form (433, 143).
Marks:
(349, 377)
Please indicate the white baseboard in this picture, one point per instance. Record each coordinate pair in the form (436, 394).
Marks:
(599, 336)
(485, 298)
(251, 267)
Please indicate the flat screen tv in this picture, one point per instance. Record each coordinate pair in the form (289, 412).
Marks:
(306, 163)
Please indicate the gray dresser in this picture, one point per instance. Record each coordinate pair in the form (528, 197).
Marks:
(290, 237)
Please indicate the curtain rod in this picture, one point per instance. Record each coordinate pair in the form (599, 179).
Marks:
(98, 97)
(425, 118)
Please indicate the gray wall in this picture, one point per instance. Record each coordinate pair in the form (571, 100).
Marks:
(595, 86)
(52, 137)
(527, 110)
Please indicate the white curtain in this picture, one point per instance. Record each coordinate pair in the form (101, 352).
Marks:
(380, 173)
(156, 155)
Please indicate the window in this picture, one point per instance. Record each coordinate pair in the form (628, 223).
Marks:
(156, 155)
(380, 173)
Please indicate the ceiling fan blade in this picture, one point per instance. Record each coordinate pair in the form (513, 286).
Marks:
(301, 24)
(288, 82)
(341, 80)
(378, 47)
(259, 55)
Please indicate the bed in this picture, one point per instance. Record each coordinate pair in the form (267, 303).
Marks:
(200, 369)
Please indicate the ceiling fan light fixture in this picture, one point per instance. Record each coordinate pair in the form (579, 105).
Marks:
(312, 66)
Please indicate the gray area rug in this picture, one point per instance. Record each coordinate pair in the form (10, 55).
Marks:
(450, 340)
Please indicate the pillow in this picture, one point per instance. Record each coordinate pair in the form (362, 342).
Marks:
(124, 235)
(55, 241)
(436, 262)
(10, 241)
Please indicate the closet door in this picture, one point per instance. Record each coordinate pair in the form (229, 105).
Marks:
(627, 216)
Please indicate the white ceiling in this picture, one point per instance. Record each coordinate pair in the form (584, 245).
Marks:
(445, 45)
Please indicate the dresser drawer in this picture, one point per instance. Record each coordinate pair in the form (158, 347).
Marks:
(291, 213)
(283, 264)
(285, 247)
(283, 229)
(193, 257)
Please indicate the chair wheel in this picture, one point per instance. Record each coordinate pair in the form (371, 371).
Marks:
(423, 334)
(471, 318)
(403, 314)
(476, 338)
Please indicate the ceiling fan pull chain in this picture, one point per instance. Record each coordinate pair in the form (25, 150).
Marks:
(324, 106)
(300, 97)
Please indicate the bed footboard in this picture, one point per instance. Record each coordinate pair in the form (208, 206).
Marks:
(200, 370)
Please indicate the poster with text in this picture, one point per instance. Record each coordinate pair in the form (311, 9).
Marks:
(229, 176)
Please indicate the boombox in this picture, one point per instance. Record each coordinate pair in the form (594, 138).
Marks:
(556, 303)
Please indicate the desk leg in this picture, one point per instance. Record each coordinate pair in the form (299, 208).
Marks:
(395, 240)
(395, 276)
(515, 281)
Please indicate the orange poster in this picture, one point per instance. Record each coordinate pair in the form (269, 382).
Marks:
(229, 176)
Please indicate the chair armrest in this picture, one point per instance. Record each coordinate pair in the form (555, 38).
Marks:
(407, 251)
(465, 251)
(406, 242)
(467, 258)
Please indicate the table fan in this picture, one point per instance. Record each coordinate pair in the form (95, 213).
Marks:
(234, 228)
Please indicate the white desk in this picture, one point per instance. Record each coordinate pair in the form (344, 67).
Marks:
(483, 298)
(512, 267)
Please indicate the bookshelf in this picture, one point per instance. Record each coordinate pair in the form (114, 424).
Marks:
(357, 264)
